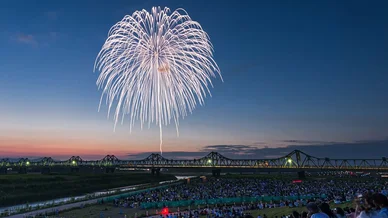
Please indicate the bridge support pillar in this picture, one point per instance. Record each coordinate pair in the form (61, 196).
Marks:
(3, 171)
(22, 170)
(110, 170)
(216, 173)
(46, 170)
(74, 170)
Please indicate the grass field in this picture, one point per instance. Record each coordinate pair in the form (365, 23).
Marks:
(109, 211)
(19, 189)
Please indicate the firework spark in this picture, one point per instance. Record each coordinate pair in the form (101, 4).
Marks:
(156, 67)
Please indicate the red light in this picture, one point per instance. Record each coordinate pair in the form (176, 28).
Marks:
(165, 211)
(297, 181)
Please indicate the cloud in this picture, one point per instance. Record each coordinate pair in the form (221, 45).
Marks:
(171, 155)
(53, 35)
(52, 15)
(293, 141)
(42, 39)
(260, 143)
(364, 149)
(26, 39)
(227, 148)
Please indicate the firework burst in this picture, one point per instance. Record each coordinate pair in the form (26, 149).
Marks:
(155, 67)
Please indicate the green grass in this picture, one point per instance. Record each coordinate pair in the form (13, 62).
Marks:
(19, 189)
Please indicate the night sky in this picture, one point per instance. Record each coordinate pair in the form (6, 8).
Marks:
(296, 73)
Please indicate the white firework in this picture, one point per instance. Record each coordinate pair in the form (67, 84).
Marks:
(155, 67)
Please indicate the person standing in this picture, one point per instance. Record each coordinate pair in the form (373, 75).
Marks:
(339, 212)
(314, 211)
(365, 207)
(381, 201)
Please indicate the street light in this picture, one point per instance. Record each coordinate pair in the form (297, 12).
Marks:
(73, 162)
(289, 160)
(28, 163)
(209, 161)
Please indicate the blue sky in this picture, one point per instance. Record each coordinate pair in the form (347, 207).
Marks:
(300, 70)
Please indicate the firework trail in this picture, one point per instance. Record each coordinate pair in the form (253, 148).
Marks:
(155, 67)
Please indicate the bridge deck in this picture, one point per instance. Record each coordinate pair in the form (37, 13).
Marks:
(294, 160)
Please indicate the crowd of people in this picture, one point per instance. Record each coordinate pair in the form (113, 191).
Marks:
(369, 205)
(335, 190)
(213, 188)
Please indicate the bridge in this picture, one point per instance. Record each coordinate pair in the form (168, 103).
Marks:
(296, 160)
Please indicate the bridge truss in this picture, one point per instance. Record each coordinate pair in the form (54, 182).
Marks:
(294, 160)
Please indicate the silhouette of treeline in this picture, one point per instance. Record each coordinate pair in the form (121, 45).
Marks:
(21, 189)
